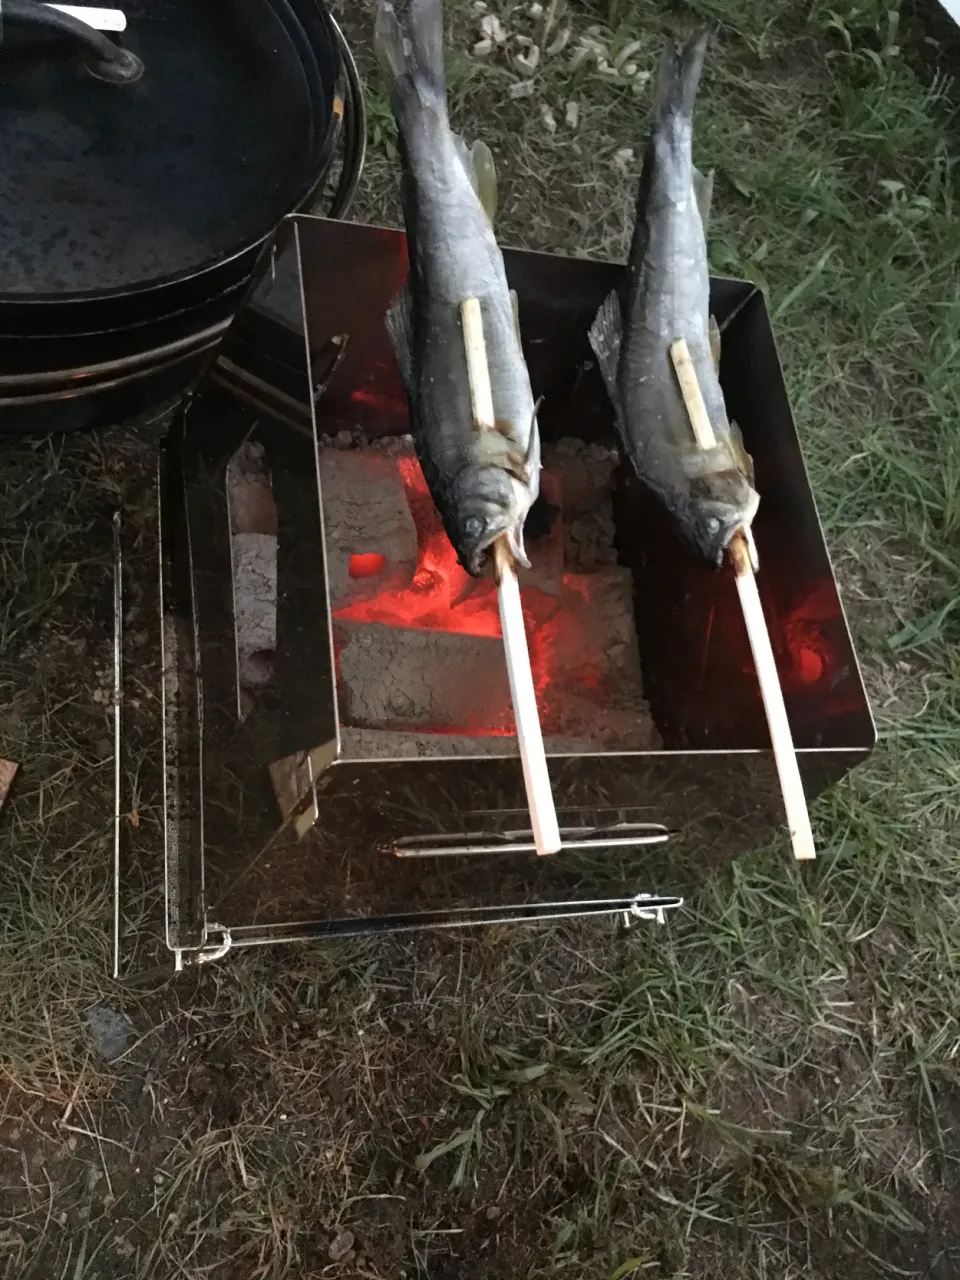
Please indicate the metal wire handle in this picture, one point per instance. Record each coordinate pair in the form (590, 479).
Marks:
(104, 59)
(354, 130)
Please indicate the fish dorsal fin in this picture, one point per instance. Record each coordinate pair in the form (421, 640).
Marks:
(713, 330)
(515, 307)
(532, 460)
(486, 170)
(399, 322)
(703, 194)
(606, 338)
(479, 166)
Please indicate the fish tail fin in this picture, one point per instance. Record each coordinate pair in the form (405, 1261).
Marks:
(678, 77)
(412, 63)
(480, 168)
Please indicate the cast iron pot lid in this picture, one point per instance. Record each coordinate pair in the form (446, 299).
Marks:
(110, 186)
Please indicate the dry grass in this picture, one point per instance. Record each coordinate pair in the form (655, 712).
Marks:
(767, 1088)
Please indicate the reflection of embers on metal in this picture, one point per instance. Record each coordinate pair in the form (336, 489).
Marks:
(811, 653)
(253, 555)
(418, 640)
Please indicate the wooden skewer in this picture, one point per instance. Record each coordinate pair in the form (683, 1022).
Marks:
(692, 395)
(791, 784)
(536, 777)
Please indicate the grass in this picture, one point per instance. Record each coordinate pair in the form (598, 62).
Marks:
(767, 1087)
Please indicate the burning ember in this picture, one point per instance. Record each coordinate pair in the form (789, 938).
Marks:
(418, 645)
(419, 653)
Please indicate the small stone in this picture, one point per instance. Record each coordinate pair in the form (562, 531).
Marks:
(482, 48)
(98, 695)
(528, 62)
(549, 119)
(572, 115)
(341, 1244)
(535, 10)
(624, 159)
(110, 1032)
(343, 440)
(522, 89)
(492, 28)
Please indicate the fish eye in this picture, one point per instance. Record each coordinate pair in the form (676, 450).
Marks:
(472, 527)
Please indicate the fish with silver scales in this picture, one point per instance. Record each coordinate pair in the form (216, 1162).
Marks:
(708, 493)
(484, 482)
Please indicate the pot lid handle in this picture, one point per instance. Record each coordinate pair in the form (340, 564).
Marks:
(102, 58)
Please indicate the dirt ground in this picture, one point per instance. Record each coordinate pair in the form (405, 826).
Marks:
(767, 1086)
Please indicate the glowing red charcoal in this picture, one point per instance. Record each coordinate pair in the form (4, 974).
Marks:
(368, 565)
(442, 596)
(572, 635)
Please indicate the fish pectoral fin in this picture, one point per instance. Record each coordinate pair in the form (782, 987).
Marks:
(486, 178)
(479, 166)
(713, 330)
(606, 339)
(703, 194)
(744, 460)
(531, 461)
(399, 322)
(515, 307)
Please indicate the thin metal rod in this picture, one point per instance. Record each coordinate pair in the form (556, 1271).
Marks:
(117, 691)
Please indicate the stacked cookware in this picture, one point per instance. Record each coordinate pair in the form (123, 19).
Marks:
(144, 172)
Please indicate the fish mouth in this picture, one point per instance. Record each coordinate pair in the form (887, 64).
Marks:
(729, 522)
(473, 557)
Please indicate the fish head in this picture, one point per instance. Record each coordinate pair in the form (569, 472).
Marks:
(726, 502)
(488, 503)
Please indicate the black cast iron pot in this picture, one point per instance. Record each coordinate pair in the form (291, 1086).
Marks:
(140, 182)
